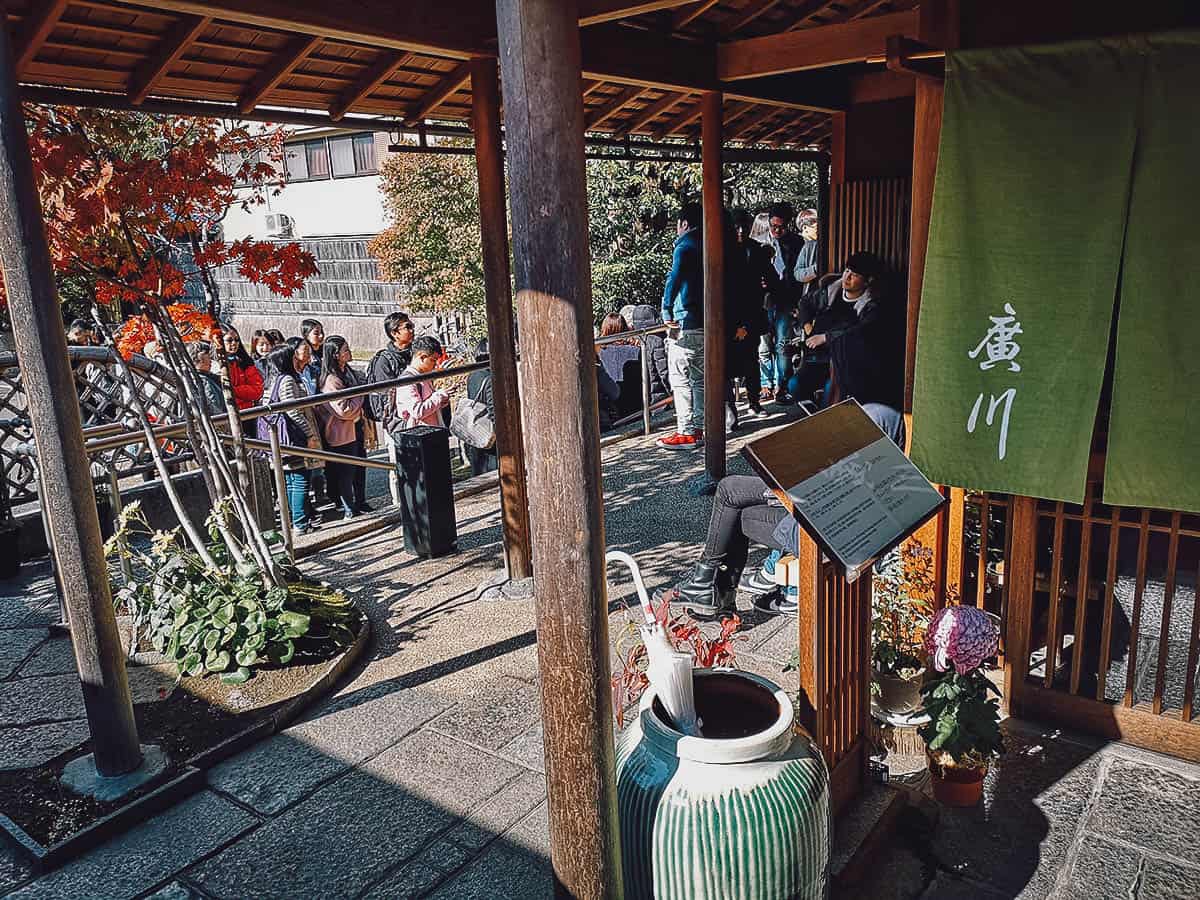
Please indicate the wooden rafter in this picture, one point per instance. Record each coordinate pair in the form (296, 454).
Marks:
(278, 69)
(812, 48)
(872, 7)
(605, 111)
(593, 12)
(146, 77)
(679, 122)
(449, 84)
(756, 118)
(384, 66)
(37, 29)
(749, 13)
(788, 125)
(590, 86)
(690, 14)
(644, 117)
(806, 13)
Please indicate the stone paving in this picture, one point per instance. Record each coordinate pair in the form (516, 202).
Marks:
(423, 775)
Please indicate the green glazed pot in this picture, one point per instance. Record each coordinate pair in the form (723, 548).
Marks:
(742, 815)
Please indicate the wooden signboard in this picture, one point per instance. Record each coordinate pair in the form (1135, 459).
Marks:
(848, 485)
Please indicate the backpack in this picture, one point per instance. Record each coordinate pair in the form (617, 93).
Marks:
(471, 423)
(290, 434)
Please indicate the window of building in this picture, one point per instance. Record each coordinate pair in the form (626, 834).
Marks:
(340, 157)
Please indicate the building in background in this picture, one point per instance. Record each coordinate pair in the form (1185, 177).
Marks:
(331, 205)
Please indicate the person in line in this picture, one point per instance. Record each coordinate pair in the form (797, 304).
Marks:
(683, 307)
(847, 306)
(479, 387)
(389, 363)
(260, 346)
(419, 403)
(641, 316)
(201, 356)
(622, 362)
(340, 425)
(313, 333)
(285, 364)
(805, 272)
(751, 275)
(303, 352)
(244, 378)
(781, 302)
(81, 333)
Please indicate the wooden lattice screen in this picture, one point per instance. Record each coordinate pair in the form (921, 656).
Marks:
(871, 214)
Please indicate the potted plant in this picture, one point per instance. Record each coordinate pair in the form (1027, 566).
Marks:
(963, 733)
(901, 604)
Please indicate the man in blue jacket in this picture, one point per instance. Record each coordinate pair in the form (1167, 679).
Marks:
(683, 306)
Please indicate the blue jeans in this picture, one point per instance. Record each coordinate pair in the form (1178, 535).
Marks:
(297, 481)
(774, 356)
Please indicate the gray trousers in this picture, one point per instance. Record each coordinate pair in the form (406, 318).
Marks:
(685, 367)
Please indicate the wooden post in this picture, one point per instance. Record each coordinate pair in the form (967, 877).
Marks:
(823, 260)
(714, 287)
(68, 499)
(543, 108)
(493, 221)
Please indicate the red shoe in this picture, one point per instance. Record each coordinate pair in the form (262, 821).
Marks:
(678, 441)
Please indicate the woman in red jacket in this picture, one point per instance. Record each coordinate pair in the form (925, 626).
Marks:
(244, 377)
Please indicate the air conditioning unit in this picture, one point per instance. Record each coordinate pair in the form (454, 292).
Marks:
(280, 225)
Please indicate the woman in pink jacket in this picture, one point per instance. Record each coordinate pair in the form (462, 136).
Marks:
(420, 404)
(339, 425)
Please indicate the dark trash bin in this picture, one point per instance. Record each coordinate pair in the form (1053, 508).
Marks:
(426, 490)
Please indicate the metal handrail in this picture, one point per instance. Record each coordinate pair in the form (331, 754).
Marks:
(625, 335)
(253, 412)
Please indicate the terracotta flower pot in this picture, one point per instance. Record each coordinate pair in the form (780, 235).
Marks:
(898, 696)
(956, 785)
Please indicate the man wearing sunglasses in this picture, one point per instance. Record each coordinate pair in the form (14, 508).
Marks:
(781, 302)
(389, 363)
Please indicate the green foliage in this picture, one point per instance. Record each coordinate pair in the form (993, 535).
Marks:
(434, 244)
(964, 722)
(226, 621)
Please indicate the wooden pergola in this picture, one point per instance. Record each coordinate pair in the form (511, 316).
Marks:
(858, 80)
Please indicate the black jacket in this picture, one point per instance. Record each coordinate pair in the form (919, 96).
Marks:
(385, 365)
(785, 293)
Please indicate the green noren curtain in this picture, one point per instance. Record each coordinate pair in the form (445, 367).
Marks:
(1054, 165)
(1154, 424)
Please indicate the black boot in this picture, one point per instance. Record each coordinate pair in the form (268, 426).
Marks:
(707, 591)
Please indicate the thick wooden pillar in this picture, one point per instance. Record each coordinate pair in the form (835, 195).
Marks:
(714, 287)
(497, 277)
(543, 112)
(835, 241)
(68, 499)
(823, 207)
(927, 131)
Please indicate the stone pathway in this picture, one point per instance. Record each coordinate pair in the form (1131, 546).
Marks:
(423, 775)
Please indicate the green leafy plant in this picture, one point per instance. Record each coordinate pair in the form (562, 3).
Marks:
(224, 621)
(964, 720)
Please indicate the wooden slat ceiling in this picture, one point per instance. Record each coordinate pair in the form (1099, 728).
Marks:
(105, 45)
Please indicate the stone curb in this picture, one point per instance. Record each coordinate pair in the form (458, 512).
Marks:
(194, 775)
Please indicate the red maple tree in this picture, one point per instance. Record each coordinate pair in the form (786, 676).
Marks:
(133, 203)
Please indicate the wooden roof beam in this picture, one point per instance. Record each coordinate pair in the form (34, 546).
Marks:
(596, 117)
(594, 12)
(810, 9)
(644, 117)
(37, 29)
(690, 14)
(749, 13)
(449, 84)
(145, 77)
(680, 122)
(813, 48)
(279, 68)
(384, 66)
(760, 115)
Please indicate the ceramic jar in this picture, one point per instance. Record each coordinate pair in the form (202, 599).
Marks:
(743, 813)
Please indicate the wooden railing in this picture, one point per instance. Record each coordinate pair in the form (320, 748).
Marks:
(1098, 605)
